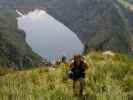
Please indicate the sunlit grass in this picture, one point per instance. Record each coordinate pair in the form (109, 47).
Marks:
(109, 78)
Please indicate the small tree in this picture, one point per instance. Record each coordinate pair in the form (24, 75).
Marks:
(86, 48)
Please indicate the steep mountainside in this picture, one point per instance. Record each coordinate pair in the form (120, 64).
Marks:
(127, 6)
(14, 50)
(100, 24)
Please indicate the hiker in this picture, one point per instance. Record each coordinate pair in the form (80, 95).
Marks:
(63, 59)
(77, 74)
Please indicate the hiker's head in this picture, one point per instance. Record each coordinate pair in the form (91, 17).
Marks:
(77, 58)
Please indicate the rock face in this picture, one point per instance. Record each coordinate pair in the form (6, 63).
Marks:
(128, 12)
(14, 50)
(99, 24)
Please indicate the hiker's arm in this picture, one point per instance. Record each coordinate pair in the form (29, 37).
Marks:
(71, 66)
(86, 66)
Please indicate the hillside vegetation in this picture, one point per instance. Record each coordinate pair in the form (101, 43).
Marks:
(14, 51)
(109, 78)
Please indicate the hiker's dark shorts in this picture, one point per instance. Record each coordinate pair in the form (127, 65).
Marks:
(76, 74)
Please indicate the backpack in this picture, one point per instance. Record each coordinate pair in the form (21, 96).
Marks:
(77, 72)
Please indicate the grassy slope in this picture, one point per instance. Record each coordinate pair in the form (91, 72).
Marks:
(109, 78)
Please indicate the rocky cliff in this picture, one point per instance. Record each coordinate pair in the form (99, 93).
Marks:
(99, 24)
(14, 51)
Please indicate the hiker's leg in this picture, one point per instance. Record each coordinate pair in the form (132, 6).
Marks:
(74, 88)
(82, 83)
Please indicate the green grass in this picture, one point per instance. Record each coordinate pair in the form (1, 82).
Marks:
(109, 78)
(125, 3)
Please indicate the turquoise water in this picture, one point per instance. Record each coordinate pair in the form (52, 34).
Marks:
(48, 37)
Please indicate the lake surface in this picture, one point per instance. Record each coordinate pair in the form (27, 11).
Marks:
(48, 37)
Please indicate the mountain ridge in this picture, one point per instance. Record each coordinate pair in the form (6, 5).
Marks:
(88, 19)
